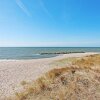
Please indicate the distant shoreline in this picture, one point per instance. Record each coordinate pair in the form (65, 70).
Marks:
(25, 53)
(55, 55)
(44, 55)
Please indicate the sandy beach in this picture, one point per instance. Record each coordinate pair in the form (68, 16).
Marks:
(13, 72)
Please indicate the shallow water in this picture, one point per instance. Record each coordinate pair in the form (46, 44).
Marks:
(35, 52)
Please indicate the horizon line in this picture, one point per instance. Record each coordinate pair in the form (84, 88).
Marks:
(50, 46)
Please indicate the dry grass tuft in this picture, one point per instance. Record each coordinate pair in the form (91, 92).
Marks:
(90, 62)
(23, 83)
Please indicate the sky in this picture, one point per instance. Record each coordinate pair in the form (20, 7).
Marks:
(50, 23)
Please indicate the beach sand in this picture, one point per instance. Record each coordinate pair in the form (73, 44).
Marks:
(13, 72)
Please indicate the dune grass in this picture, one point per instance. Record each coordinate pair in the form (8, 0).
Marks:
(79, 81)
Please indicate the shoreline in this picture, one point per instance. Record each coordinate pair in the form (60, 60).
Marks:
(13, 72)
(59, 55)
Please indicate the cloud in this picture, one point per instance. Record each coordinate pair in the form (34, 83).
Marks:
(22, 6)
(44, 8)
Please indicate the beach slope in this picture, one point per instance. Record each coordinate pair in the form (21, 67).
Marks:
(16, 73)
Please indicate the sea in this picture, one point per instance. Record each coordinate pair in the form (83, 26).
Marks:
(19, 53)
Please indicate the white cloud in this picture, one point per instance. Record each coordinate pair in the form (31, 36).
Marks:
(22, 6)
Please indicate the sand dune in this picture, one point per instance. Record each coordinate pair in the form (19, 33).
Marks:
(13, 72)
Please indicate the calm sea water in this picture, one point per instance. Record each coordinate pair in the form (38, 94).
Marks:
(34, 52)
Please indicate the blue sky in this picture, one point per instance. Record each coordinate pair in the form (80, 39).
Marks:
(50, 23)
